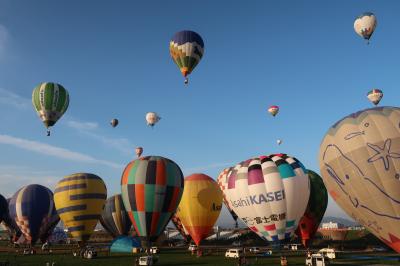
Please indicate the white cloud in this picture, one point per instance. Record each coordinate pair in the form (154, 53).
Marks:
(54, 151)
(82, 125)
(88, 129)
(13, 99)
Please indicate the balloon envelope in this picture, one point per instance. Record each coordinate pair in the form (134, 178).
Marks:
(3, 208)
(186, 49)
(375, 96)
(114, 122)
(222, 181)
(181, 228)
(359, 159)
(200, 206)
(269, 194)
(139, 151)
(50, 101)
(152, 118)
(114, 217)
(365, 24)
(273, 110)
(32, 208)
(125, 244)
(151, 189)
(79, 200)
(315, 211)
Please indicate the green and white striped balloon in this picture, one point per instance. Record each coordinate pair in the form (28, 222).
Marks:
(50, 101)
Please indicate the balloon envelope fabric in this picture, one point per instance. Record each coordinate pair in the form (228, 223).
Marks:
(151, 188)
(79, 200)
(360, 163)
(125, 244)
(114, 217)
(269, 194)
(32, 208)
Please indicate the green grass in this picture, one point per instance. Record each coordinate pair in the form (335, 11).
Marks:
(176, 258)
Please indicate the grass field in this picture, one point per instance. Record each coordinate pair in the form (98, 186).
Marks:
(183, 257)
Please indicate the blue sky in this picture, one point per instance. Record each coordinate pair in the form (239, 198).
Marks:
(113, 58)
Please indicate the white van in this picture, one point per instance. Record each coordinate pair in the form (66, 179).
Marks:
(316, 260)
(147, 260)
(234, 253)
(328, 252)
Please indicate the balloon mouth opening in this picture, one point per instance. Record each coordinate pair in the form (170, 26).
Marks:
(185, 72)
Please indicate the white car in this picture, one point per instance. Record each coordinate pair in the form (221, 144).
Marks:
(234, 253)
(147, 260)
(192, 248)
(316, 260)
(328, 252)
(254, 250)
(154, 250)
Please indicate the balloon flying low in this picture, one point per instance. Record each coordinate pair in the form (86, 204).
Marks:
(359, 159)
(186, 49)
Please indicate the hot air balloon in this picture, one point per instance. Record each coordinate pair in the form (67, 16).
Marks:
(181, 228)
(50, 100)
(152, 118)
(186, 49)
(3, 208)
(273, 110)
(269, 194)
(222, 181)
(114, 217)
(200, 206)
(151, 188)
(114, 122)
(365, 24)
(316, 208)
(79, 200)
(139, 151)
(32, 208)
(375, 96)
(279, 141)
(10, 225)
(359, 159)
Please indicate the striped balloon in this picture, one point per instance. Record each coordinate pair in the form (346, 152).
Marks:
(32, 208)
(50, 100)
(114, 217)
(79, 200)
(186, 49)
(10, 225)
(151, 188)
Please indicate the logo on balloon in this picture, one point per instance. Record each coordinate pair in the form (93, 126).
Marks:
(259, 199)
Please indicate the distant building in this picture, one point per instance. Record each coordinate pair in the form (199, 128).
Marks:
(332, 225)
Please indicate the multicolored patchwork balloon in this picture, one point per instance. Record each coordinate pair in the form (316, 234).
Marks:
(360, 160)
(114, 217)
(315, 211)
(200, 206)
(32, 208)
(50, 100)
(186, 49)
(151, 189)
(365, 24)
(79, 200)
(269, 194)
(375, 96)
(222, 181)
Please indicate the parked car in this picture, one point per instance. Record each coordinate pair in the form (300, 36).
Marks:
(254, 250)
(147, 260)
(267, 253)
(316, 259)
(234, 253)
(154, 250)
(328, 252)
(192, 247)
